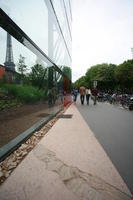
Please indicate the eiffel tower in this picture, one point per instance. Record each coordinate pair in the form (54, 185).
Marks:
(9, 63)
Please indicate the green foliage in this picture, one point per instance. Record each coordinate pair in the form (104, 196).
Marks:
(124, 74)
(25, 94)
(8, 103)
(101, 72)
(80, 82)
(68, 72)
(21, 65)
(109, 76)
(38, 76)
(22, 68)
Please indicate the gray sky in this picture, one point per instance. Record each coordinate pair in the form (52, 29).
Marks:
(102, 32)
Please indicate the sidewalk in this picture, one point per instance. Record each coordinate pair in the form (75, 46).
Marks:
(67, 164)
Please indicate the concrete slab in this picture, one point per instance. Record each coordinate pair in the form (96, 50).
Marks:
(68, 163)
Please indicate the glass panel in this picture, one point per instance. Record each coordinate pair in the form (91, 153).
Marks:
(40, 23)
(69, 12)
(29, 93)
(33, 23)
(32, 87)
(60, 10)
(56, 21)
(60, 55)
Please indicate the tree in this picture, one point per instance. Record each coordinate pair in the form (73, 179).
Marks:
(22, 68)
(38, 76)
(124, 74)
(68, 72)
(80, 82)
(109, 76)
(103, 73)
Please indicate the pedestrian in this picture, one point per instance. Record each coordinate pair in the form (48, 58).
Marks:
(82, 94)
(88, 93)
(50, 97)
(75, 94)
(94, 93)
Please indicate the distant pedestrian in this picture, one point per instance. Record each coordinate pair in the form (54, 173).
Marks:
(88, 93)
(94, 93)
(75, 94)
(82, 94)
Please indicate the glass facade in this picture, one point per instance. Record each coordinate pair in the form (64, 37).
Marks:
(35, 37)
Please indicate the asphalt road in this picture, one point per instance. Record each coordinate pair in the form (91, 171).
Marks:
(113, 127)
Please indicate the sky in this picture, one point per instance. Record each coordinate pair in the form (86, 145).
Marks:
(102, 33)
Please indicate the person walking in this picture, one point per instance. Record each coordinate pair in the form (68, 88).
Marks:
(75, 94)
(82, 94)
(94, 93)
(88, 93)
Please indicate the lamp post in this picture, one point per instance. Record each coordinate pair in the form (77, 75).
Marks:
(132, 52)
(94, 83)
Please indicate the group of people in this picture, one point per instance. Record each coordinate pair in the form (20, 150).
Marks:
(85, 92)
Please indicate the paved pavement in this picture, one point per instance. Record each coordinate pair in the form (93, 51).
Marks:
(67, 164)
(113, 127)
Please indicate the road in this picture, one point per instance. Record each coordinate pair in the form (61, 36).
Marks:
(113, 127)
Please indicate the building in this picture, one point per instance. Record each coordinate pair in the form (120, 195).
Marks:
(2, 71)
(10, 74)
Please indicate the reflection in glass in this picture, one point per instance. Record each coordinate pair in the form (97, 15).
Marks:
(28, 90)
(35, 61)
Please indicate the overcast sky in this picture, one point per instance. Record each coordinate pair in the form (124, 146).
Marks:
(102, 33)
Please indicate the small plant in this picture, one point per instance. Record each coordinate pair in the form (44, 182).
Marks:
(25, 94)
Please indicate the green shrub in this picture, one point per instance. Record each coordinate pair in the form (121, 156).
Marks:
(25, 94)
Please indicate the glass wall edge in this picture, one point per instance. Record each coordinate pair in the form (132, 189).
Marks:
(50, 6)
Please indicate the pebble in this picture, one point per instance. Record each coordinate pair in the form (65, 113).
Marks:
(1, 174)
(23, 146)
(7, 174)
(12, 166)
(24, 153)
(9, 162)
